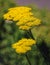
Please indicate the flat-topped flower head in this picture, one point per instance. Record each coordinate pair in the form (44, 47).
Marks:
(23, 17)
(23, 45)
(16, 13)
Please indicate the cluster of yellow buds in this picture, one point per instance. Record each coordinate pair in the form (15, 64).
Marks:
(23, 45)
(23, 17)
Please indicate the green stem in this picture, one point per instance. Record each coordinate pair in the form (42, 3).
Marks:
(30, 33)
(28, 59)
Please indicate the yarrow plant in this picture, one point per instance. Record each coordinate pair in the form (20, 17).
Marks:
(25, 19)
(23, 45)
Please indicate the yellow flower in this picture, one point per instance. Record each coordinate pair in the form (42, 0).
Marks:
(37, 22)
(23, 45)
(17, 12)
(24, 27)
(29, 24)
(23, 17)
(23, 49)
(6, 16)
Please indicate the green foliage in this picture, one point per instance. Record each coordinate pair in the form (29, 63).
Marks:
(44, 29)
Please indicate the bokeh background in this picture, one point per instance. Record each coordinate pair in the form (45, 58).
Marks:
(39, 3)
(9, 32)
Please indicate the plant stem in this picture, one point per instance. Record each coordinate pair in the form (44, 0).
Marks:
(28, 59)
(30, 33)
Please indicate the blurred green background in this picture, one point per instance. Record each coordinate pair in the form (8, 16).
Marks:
(9, 34)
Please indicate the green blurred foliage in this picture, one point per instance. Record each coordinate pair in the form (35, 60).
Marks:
(44, 29)
(9, 34)
(4, 5)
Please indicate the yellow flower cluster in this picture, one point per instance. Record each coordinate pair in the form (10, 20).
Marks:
(23, 16)
(23, 45)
